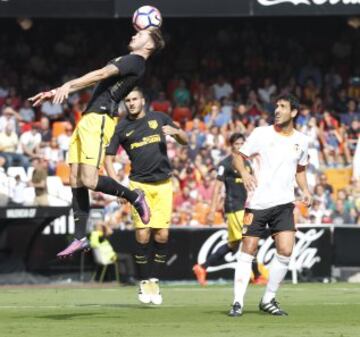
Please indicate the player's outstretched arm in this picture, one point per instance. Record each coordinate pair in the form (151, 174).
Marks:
(303, 185)
(179, 135)
(83, 82)
(58, 95)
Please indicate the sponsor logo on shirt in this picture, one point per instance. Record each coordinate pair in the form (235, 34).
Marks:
(146, 141)
(129, 133)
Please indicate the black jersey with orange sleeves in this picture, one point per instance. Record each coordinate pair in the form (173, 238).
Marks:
(235, 192)
(145, 144)
(109, 92)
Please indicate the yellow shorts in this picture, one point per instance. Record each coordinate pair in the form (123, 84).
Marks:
(91, 136)
(235, 224)
(159, 197)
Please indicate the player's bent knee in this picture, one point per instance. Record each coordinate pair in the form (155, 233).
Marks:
(89, 181)
(284, 251)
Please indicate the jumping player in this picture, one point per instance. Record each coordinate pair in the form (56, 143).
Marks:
(94, 131)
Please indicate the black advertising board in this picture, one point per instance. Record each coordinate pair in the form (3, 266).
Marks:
(174, 8)
(347, 246)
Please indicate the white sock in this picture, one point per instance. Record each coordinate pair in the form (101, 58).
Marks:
(242, 277)
(278, 269)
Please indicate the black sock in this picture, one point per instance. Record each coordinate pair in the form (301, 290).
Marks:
(81, 208)
(110, 186)
(255, 269)
(141, 257)
(215, 257)
(160, 253)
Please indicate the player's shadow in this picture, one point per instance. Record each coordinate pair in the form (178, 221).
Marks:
(226, 313)
(65, 317)
(126, 306)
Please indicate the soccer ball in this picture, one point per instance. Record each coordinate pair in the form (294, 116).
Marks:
(146, 17)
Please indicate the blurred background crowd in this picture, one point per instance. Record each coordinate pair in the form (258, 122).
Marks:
(213, 80)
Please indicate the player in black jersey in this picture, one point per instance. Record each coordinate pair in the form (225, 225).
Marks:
(94, 131)
(235, 198)
(143, 136)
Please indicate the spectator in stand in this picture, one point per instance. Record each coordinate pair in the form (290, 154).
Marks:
(13, 99)
(330, 139)
(341, 101)
(52, 111)
(225, 115)
(333, 79)
(222, 88)
(44, 129)
(310, 71)
(26, 112)
(206, 189)
(64, 140)
(9, 117)
(38, 181)
(321, 196)
(254, 108)
(353, 134)
(30, 141)
(161, 104)
(326, 186)
(52, 155)
(267, 91)
(9, 142)
(17, 191)
(181, 96)
(351, 115)
(311, 91)
(340, 216)
(303, 117)
(214, 137)
(317, 212)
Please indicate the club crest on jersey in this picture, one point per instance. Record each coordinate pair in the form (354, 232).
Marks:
(297, 147)
(153, 124)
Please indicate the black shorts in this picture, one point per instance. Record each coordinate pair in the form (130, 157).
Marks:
(279, 219)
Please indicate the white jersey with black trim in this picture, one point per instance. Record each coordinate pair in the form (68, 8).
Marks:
(275, 158)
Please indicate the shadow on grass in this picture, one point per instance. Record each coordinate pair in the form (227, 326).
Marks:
(64, 317)
(126, 306)
(226, 313)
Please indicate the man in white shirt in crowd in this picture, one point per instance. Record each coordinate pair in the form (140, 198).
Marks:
(222, 88)
(280, 155)
(30, 142)
(9, 116)
(9, 142)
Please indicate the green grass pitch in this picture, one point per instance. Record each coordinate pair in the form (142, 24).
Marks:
(329, 310)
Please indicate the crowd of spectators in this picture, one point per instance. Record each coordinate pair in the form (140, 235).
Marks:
(213, 80)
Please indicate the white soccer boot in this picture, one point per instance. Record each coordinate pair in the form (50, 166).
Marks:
(144, 294)
(155, 294)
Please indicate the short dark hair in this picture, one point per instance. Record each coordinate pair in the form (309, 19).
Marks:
(158, 39)
(292, 99)
(235, 136)
(138, 89)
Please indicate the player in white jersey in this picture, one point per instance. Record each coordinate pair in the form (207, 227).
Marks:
(280, 155)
